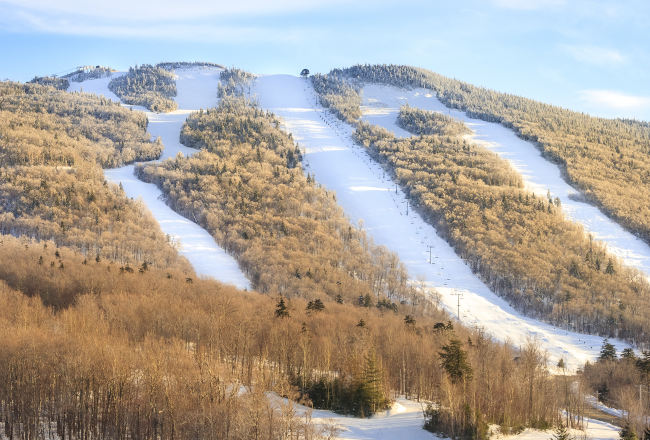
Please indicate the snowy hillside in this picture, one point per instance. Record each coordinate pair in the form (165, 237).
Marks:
(381, 106)
(196, 88)
(368, 195)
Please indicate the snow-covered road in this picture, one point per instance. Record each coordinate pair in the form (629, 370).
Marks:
(196, 89)
(368, 195)
(381, 106)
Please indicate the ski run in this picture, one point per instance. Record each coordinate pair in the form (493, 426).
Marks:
(196, 89)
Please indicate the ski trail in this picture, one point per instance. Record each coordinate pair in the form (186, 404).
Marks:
(381, 106)
(368, 195)
(196, 89)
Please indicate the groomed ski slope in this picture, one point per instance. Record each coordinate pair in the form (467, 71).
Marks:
(196, 89)
(369, 196)
(381, 106)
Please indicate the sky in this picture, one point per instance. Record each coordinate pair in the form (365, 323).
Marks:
(590, 56)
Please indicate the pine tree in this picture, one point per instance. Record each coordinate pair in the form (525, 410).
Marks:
(454, 361)
(561, 433)
(339, 299)
(281, 310)
(607, 352)
(627, 433)
(609, 270)
(371, 392)
(628, 354)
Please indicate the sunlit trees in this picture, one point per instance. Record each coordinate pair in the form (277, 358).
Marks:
(149, 86)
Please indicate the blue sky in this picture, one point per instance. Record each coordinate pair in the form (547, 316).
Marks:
(591, 56)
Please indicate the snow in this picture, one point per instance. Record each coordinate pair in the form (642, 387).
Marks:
(381, 106)
(196, 89)
(593, 430)
(403, 421)
(368, 195)
(593, 402)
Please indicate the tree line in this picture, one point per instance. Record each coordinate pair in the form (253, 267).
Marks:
(149, 86)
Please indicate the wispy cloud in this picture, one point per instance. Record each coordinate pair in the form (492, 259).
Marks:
(205, 20)
(155, 10)
(615, 100)
(600, 56)
(528, 5)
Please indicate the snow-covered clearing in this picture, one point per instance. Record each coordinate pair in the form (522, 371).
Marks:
(593, 430)
(368, 195)
(405, 421)
(381, 106)
(196, 89)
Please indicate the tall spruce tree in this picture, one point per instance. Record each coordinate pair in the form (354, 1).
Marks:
(607, 351)
(454, 361)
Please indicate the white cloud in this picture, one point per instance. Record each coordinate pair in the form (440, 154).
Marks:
(528, 5)
(612, 99)
(600, 56)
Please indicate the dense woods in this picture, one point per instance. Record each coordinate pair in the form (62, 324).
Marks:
(248, 189)
(234, 82)
(149, 86)
(429, 122)
(56, 82)
(145, 353)
(52, 147)
(337, 94)
(520, 244)
(607, 159)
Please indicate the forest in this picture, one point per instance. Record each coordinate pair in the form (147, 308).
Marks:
(149, 353)
(53, 146)
(607, 159)
(149, 86)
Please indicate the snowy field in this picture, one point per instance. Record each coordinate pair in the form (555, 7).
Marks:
(368, 195)
(196, 89)
(381, 106)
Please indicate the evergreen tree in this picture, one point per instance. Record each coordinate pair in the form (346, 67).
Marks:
(560, 364)
(454, 361)
(628, 354)
(607, 352)
(609, 270)
(371, 391)
(561, 433)
(339, 299)
(627, 433)
(281, 310)
(646, 433)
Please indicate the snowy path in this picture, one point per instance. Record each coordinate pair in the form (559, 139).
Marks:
(368, 194)
(381, 106)
(196, 89)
